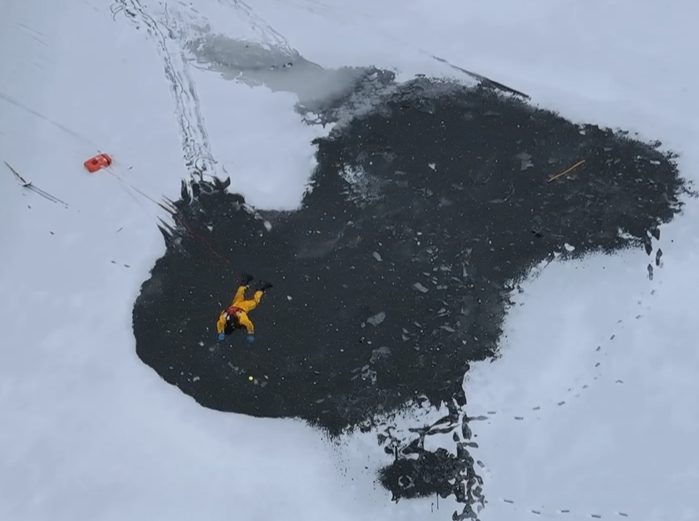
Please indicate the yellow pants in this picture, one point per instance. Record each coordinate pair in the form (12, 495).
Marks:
(239, 300)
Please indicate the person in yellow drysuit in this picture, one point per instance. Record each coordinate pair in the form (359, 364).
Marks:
(235, 316)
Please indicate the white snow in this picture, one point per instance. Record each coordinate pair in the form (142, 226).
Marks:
(89, 433)
(262, 123)
(622, 440)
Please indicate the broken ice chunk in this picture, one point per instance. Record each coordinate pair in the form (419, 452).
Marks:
(526, 161)
(377, 319)
(420, 287)
(377, 256)
(378, 354)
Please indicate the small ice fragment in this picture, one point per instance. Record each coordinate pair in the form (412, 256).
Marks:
(377, 319)
(420, 287)
(378, 354)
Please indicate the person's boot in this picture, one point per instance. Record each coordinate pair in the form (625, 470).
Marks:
(263, 285)
(245, 279)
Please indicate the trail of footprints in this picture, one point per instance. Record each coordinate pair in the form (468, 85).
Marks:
(578, 390)
(574, 514)
(572, 393)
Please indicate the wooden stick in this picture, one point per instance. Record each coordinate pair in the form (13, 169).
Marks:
(576, 165)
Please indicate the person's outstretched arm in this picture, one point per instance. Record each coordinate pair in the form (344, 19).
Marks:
(245, 322)
(221, 323)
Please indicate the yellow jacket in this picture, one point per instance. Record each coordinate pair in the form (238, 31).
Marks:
(242, 306)
(243, 320)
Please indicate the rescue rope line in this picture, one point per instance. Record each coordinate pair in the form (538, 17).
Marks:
(29, 185)
(173, 214)
(83, 139)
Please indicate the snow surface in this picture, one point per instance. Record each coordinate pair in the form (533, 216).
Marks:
(89, 433)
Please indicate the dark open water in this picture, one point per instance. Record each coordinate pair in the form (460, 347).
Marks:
(395, 274)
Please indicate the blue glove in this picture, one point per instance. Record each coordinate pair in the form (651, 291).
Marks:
(221, 337)
(251, 339)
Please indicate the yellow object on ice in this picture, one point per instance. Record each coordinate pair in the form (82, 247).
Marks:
(240, 306)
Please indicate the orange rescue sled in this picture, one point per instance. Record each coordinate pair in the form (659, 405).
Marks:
(98, 162)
